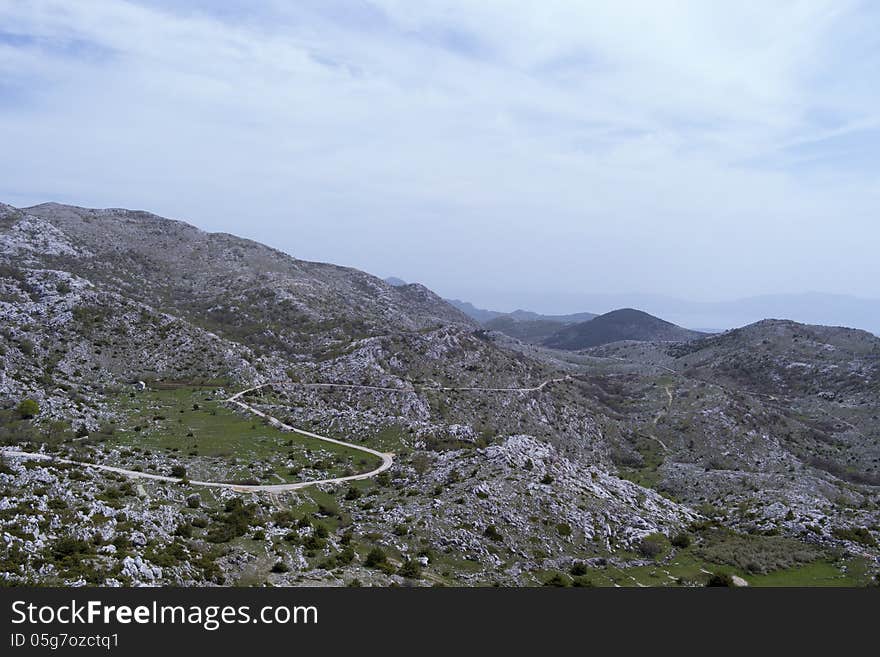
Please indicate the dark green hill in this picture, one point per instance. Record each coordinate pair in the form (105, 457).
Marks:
(618, 325)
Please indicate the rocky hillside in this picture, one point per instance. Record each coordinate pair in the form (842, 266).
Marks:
(240, 289)
(616, 326)
(753, 452)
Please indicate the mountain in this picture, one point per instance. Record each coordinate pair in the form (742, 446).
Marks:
(807, 308)
(618, 325)
(235, 287)
(533, 331)
(528, 316)
(396, 282)
(92, 301)
(124, 335)
(815, 389)
(521, 324)
(473, 312)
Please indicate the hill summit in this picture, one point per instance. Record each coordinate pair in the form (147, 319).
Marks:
(618, 325)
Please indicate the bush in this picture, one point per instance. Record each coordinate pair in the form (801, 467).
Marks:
(578, 568)
(238, 518)
(313, 543)
(854, 534)
(280, 567)
(582, 581)
(755, 553)
(557, 579)
(492, 532)
(653, 545)
(28, 408)
(410, 569)
(681, 540)
(178, 471)
(346, 556)
(68, 548)
(376, 558)
(721, 579)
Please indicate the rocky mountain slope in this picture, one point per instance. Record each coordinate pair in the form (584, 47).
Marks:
(514, 464)
(616, 326)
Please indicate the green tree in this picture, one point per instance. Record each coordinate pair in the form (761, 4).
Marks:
(28, 408)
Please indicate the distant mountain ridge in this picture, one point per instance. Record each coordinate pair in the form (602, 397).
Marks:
(815, 308)
(480, 314)
(524, 325)
(616, 326)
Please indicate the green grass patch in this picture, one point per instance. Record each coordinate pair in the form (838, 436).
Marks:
(216, 443)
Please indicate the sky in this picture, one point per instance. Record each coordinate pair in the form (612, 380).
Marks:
(511, 153)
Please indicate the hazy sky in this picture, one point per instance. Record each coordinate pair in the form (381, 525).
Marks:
(510, 153)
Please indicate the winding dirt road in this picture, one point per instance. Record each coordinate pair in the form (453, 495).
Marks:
(387, 458)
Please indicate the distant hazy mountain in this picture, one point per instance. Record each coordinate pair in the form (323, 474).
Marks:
(517, 316)
(625, 324)
(396, 282)
(527, 330)
(808, 308)
(573, 318)
(472, 311)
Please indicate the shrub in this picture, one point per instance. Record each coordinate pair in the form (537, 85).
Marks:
(557, 579)
(653, 545)
(280, 567)
(410, 569)
(238, 518)
(578, 568)
(28, 408)
(854, 534)
(376, 558)
(492, 532)
(755, 553)
(721, 579)
(178, 471)
(681, 540)
(346, 556)
(68, 548)
(313, 543)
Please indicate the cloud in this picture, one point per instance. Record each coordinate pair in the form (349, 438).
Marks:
(688, 148)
